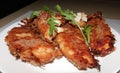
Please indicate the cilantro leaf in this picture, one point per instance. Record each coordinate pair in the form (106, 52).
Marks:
(34, 14)
(46, 8)
(52, 22)
(87, 31)
(70, 15)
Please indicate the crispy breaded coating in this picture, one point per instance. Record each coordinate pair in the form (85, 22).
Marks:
(73, 47)
(101, 38)
(43, 26)
(27, 45)
(50, 34)
(42, 23)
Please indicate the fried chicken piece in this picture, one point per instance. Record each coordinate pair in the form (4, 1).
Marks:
(73, 47)
(42, 23)
(27, 45)
(101, 38)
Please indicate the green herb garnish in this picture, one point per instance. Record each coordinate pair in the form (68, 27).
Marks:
(52, 22)
(34, 14)
(87, 31)
(70, 15)
(46, 8)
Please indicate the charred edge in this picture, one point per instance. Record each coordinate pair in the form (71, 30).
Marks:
(96, 52)
(98, 14)
(98, 66)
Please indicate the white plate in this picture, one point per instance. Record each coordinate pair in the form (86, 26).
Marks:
(8, 63)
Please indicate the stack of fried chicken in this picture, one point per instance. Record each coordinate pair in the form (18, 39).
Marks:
(37, 43)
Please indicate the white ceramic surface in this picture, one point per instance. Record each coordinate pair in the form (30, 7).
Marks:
(8, 63)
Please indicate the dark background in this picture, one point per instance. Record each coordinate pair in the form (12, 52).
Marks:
(9, 6)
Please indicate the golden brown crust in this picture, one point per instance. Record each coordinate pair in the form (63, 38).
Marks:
(42, 25)
(101, 38)
(32, 42)
(73, 47)
(28, 46)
